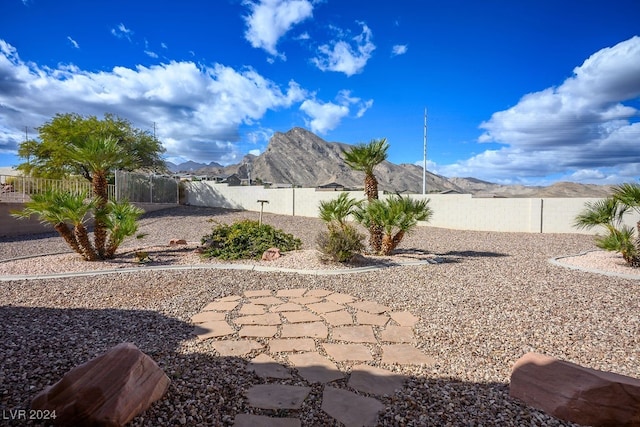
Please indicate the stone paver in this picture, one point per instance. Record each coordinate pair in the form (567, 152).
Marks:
(325, 307)
(290, 306)
(236, 347)
(372, 380)
(258, 331)
(320, 293)
(266, 301)
(338, 318)
(248, 309)
(398, 334)
(220, 306)
(404, 318)
(258, 293)
(339, 298)
(305, 300)
(349, 408)
(229, 298)
(218, 328)
(250, 420)
(259, 319)
(344, 352)
(315, 368)
(365, 318)
(369, 306)
(277, 396)
(354, 334)
(291, 293)
(208, 316)
(405, 354)
(300, 316)
(266, 367)
(293, 344)
(310, 330)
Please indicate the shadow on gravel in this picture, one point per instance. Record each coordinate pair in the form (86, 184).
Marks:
(473, 254)
(39, 345)
(189, 211)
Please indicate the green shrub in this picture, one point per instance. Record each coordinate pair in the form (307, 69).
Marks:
(245, 240)
(340, 243)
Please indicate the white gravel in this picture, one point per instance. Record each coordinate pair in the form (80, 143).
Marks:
(494, 298)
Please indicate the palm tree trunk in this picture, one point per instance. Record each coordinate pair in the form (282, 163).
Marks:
(82, 236)
(100, 229)
(375, 238)
(370, 187)
(397, 239)
(375, 231)
(68, 236)
(387, 245)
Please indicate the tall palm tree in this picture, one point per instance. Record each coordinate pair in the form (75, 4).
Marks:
(364, 158)
(96, 156)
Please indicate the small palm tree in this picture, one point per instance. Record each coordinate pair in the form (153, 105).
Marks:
(364, 158)
(341, 241)
(396, 216)
(68, 214)
(122, 222)
(608, 213)
(338, 210)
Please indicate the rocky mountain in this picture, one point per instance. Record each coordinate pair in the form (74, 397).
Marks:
(301, 158)
(191, 166)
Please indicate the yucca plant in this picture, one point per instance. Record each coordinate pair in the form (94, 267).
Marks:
(609, 213)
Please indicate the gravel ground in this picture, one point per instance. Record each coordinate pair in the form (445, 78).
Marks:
(494, 298)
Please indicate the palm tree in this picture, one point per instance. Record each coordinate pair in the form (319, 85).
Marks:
(338, 210)
(364, 158)
(96, 156)
(62, 209)
(341, 241)
(122, 223)
(609, 213)
(395, 216)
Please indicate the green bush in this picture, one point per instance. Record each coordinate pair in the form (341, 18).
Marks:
(340, 243)
(245, 240)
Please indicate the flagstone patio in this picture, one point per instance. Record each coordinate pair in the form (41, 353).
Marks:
(308, 334)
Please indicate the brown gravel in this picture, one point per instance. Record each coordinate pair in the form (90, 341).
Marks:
(494, 298)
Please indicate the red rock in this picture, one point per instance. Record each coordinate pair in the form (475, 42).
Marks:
(109, 390)
(271, 254)
(175, 242)
(574, 393)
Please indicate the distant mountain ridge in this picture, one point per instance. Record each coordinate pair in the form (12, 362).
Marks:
(301, 158)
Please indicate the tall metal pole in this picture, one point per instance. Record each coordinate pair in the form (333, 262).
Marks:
(424, 160)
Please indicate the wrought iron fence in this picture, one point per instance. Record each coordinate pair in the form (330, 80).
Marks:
(133, 187)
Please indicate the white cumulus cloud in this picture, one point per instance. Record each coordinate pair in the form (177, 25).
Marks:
(197, 110)
(326, 116)
(346, 56)
(269, 20)
(581, 125)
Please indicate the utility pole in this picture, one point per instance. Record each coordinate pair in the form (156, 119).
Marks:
(424, 159)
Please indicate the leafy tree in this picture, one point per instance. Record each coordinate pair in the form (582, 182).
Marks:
(364, 158)
(48, 157)
(395, 216)
(609, 213)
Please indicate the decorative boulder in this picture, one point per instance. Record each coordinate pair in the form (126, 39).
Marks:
(575, 393)
(176, 242)
(271, 254)
(109, 390)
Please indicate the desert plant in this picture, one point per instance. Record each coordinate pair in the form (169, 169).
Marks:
(246, 239)
(609, 213)
(338, 210)
(340, 243)
(364, 158)
(395, 216)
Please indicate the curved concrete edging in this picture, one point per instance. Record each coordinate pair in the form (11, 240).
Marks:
(556, 261)
(246, 267)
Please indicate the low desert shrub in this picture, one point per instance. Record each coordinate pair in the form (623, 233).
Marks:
(340, 243)
(246, 239)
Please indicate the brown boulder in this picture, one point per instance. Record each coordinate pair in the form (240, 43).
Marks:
(176, 242)
(574, 393)
(271, 254)
(109, 390)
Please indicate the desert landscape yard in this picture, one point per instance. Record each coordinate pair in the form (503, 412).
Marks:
(490, 299)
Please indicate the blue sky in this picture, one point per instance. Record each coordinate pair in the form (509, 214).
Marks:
(527, 92)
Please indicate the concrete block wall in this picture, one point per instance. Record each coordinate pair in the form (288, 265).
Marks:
(454, 211)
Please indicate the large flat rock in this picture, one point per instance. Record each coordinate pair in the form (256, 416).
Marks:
(349, 408)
